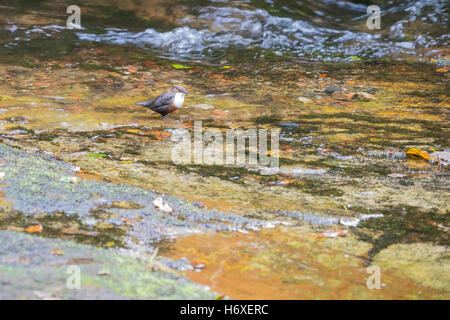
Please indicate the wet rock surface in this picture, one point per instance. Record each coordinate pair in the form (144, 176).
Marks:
(29, 270)
(38, 184)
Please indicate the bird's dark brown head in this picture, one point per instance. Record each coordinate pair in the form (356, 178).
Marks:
(179, 89)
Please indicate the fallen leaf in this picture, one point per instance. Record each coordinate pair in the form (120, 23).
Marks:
(127, 221)
(99, 155)
(160, 134)
(57, 252)
(135, 131)
(34, 229)
(132, 69)
(417, 153)
(441, 70)
(180, 66)
(110, 244)
(149, 63)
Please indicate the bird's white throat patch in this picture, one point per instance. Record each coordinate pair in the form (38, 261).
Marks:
(178, 100)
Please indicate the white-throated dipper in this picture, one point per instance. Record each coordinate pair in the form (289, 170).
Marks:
(168, 102)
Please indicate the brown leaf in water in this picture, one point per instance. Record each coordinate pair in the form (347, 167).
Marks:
(160, 134)
(149, 63)
(132, 69)
(127, 221)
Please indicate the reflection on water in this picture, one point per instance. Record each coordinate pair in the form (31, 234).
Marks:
(323, 29)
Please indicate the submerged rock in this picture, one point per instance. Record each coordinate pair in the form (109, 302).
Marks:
(331, 90)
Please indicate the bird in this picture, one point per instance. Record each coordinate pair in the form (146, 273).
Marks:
(167, 102)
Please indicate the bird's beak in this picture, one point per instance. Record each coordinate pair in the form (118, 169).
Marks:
(187, 92)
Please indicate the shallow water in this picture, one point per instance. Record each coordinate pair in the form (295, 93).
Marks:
(346, 196)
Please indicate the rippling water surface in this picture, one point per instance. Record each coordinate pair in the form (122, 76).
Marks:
(322, 29)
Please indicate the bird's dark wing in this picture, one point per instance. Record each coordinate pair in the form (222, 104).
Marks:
(162, 100)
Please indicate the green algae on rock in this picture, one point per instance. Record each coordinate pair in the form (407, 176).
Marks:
(43, 275)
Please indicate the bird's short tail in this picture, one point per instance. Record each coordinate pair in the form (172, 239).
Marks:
(145, 104)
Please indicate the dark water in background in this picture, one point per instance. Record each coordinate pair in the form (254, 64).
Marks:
(319, 29)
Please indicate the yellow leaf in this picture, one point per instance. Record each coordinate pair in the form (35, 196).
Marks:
(134, 131)
(110, 244)
(180, 66)
(418, 153)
